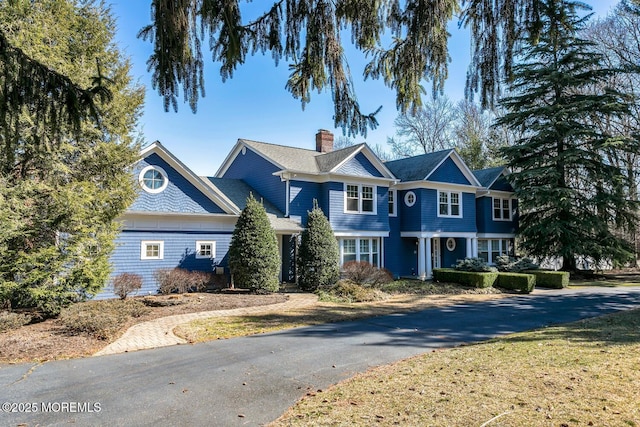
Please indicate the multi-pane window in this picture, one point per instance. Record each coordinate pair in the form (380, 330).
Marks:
(449, 204)
(205, 249)
(360, 249)
(490, 249)
(359, 198)
(348, 250)
(392, 203)
(152, 250)
(352, 198)
(501, 209)
(153, 179)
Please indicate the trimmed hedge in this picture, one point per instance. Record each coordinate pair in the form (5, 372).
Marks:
(467, 278)
(517, 281)
(551, 279)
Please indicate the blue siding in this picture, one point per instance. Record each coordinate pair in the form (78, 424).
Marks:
(258, 173)
(450, 258)
(341, 221)
(448, 171)
(484, 218)
(423, 215)
(179, 251)
(302, 195)
(179, 196)
(502, 184)
(359, 166)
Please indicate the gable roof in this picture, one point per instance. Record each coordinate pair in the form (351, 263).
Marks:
(212, 194)
(487, 177)
(417, 168)
(304, 160)
(237, 191)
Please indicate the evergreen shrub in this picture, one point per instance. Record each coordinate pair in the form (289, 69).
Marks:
(514, 265)
(550, 279)
(517, 282)
(254, 257)
(318, 255)
(475, 279)
(473, 264)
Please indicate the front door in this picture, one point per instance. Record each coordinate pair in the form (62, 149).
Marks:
(435, 252)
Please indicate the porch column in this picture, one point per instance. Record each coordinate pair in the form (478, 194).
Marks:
(469, 247)
(422, 273)
(428, 255)
(475, 247)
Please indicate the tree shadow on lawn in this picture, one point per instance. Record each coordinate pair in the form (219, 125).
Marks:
(469, 323)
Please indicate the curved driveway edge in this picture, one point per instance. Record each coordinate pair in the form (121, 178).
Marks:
(253, 380)
(159, 332)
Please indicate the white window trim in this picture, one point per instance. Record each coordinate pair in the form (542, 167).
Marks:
(501, 250)
(493, 211)
(357, 240)
(374, 189)
(394, 210)
(205, 242)
(143, 249)
(152, 190)
(449, 193)
(407, 196)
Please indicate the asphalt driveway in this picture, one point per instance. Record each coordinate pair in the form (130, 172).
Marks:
(252, 380)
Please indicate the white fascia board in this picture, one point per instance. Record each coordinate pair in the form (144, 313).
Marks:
(361, 233)
(435, 185)
(333, 177)
(496, 235)
(496, 193)
(453, 155)
(429, 234)
(187, 173)
(211, 216)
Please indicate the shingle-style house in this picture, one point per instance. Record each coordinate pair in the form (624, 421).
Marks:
(409, 216)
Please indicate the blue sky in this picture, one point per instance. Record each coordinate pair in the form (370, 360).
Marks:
(255, 105)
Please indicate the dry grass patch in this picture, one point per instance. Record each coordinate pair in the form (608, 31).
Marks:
(585, 373)
(322, 312)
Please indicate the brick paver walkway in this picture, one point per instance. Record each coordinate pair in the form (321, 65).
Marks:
(159, 332)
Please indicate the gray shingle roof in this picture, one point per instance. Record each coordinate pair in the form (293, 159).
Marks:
(238, 191)
(301, 159)
(486, 177)
(417, 168)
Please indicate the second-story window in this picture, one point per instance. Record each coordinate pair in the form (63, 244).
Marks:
(449, 204)
(501, 209)
(392, 203)
(360, 198)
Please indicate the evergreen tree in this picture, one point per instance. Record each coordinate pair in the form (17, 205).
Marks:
(318, 256)
(254, 258)
(309, 36)
(571, 198)
(63, 182)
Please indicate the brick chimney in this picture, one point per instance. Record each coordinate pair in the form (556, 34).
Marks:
(324, 141)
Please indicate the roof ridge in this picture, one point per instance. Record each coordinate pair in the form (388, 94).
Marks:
(280, 145)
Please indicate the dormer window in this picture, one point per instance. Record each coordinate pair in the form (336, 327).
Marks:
(359, 198)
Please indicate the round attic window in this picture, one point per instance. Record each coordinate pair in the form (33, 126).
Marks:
(153, 179)
(410, 198)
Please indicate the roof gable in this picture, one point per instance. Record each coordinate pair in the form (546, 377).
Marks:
(312, 162)
(448, 172)
(185, 192)
(417, 168)
(494, 178)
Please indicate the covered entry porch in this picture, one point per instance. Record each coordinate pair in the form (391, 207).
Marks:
(441, 249)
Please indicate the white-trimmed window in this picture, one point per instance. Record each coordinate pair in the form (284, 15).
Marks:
(153, 179)
(360, 198)
(152, 249)
(205, 249)
(360, 249)
(410, 198)
(450, 204)
(490, 249)
(393, 206)
(501, 209)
